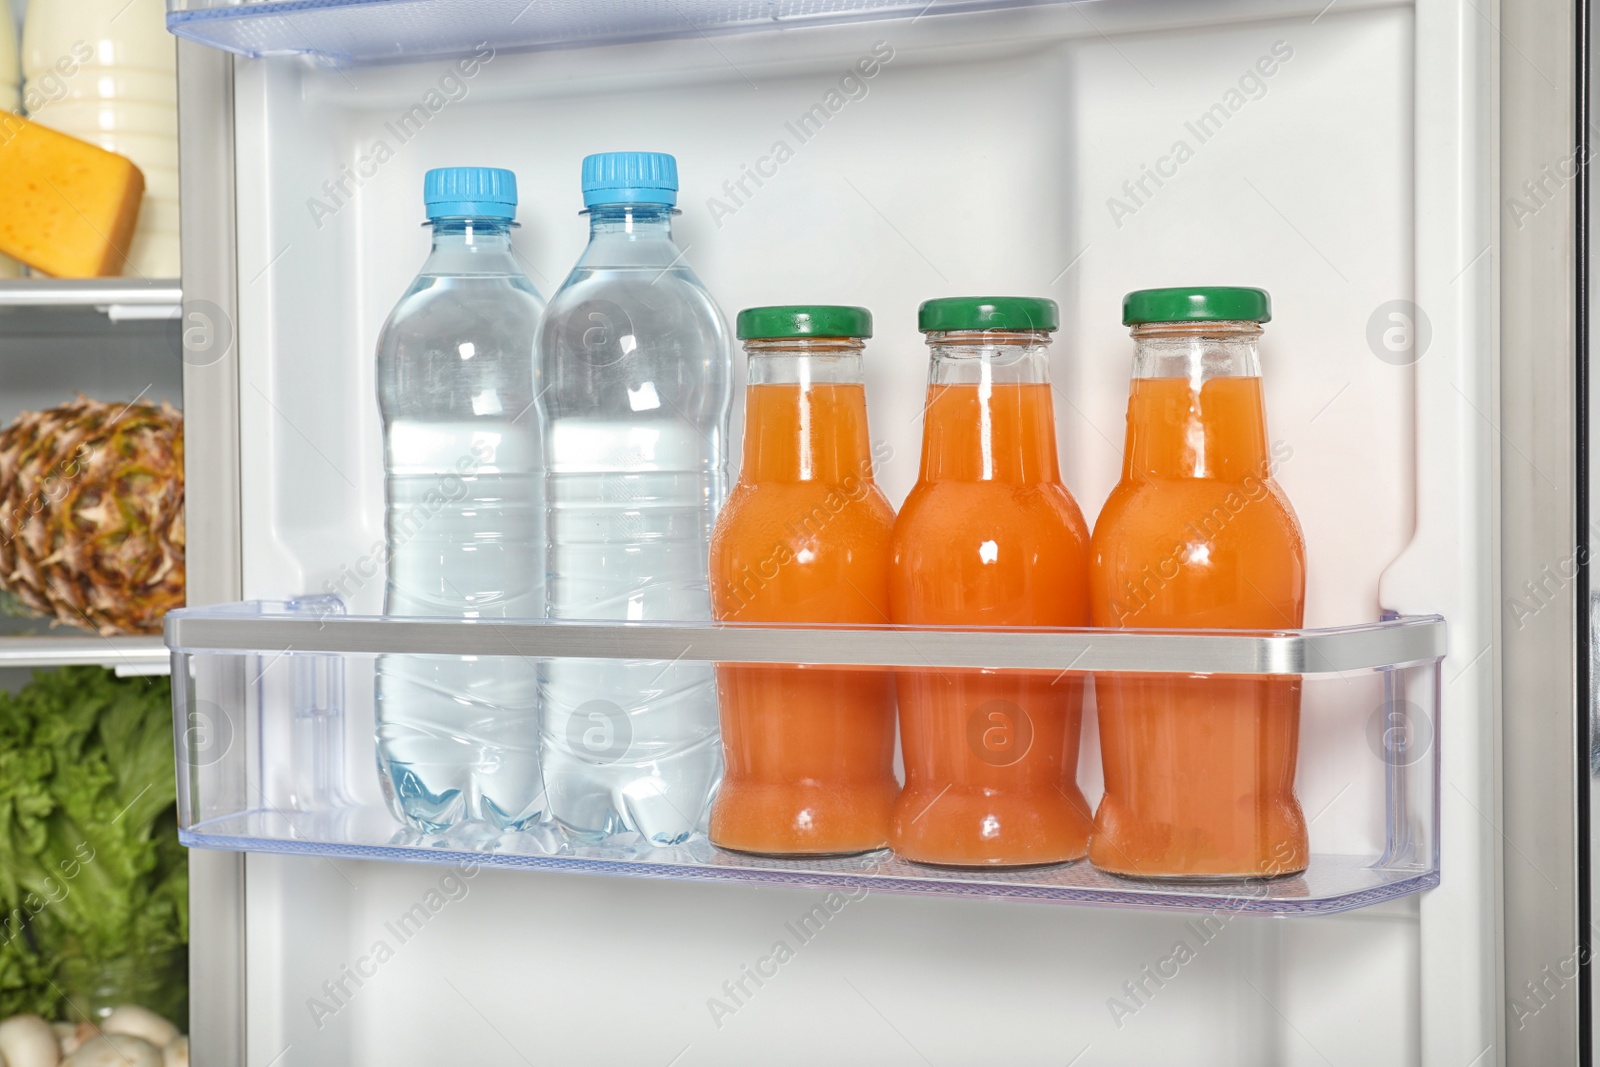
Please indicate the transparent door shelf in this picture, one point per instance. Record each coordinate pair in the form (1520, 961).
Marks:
(366, 31)
(275, 744)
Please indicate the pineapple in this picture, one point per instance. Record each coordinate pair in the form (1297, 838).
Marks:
(91, 514)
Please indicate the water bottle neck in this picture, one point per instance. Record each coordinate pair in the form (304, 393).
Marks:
(631, 235)
(472, 246)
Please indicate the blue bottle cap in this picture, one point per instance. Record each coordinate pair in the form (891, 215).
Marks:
(470, 192)
(630, 178)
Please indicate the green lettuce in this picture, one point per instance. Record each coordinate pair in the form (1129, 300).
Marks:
(91, 872)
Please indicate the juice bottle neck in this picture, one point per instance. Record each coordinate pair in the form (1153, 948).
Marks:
(989, 415)
(806, 414)
(472, 246)
(630, 235)
(982, 357)
(1197, 351)
(1181, 427)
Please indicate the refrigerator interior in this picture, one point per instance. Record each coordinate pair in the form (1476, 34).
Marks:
(1034, 151)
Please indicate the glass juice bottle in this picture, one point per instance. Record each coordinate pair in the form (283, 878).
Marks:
(804, 538)
(990, 537)
(1199, 769)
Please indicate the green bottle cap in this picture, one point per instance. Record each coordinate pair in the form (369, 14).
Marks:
(803, 320)
(1197, 303)
(987, 313)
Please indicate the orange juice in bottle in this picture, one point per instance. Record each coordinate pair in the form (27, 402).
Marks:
(1199, 769)
(804, 538)
(990, 537)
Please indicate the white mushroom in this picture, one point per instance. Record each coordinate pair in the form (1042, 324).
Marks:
(28, 1041)
(115, 1050)
(174, 1055)
(140, 1022)
(83, 1032)
(66, 1037)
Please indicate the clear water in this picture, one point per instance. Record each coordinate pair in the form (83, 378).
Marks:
(635, 362)
(464, 532)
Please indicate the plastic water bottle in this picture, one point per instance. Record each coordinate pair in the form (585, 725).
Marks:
(634, 363)
(458, 735)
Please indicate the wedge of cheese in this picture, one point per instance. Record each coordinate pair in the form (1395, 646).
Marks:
(67, 207)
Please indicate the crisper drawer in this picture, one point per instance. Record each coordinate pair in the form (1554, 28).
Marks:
(276, 749)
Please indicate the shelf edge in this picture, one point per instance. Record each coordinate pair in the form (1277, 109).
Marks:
(1390, 644)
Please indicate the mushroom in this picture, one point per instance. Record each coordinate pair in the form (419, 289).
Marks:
(28, 1041)
(174, 1055)
(139, 1022)
(115, 1050)
(67, 1037)
(81, 1034)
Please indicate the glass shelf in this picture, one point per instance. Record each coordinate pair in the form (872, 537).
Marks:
(370, 31)
(275, 735)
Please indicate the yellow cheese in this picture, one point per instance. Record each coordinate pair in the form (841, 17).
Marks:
(67, 207)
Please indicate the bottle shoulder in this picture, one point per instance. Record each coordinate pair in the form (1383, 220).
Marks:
(635, 345)
(754, 506)
(509, 293)
(1047, 508)
(631, 302)
(488, 311)
(1159, 509)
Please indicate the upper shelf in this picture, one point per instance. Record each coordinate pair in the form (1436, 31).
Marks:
(375, 31)
(120, 299)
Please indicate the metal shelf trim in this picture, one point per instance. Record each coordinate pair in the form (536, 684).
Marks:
(90, 293)
(142, 653)
(1402, 641)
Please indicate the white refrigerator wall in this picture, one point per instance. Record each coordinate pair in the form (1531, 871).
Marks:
(1033, 152)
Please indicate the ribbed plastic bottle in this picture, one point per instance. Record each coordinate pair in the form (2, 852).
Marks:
(634, 359)
(458, 736)
(106, 72)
